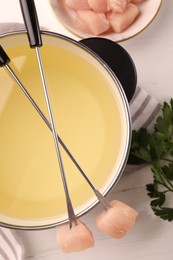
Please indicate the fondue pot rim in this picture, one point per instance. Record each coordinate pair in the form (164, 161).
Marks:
(125, 152)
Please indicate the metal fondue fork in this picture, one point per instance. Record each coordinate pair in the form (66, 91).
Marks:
(33, 31)
(4, 60)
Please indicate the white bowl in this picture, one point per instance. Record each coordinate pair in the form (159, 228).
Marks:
(148, 11)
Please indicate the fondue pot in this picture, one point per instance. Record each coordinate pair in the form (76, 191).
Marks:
(90, 105)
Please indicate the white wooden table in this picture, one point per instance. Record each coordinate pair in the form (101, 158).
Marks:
(151, 238)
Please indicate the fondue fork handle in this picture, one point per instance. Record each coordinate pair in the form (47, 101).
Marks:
(4, 61)
(33, 31)
(31, 22)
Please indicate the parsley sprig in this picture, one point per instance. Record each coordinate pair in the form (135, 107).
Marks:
(156, 149)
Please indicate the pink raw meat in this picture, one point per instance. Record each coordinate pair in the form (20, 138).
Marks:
(100, 6)
(117, 220)
(120, 22)
(78, 238)
(91, 22)
(118, 6)
(137, 1)
(77, 4)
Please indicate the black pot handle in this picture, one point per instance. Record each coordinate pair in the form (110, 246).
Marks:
(118, 59)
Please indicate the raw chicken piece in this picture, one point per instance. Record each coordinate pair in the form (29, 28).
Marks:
(100, 6)
(120, 22)
(78, 238)
(117, 220)
(77, 4)
(91, 22)
(137, 1)
(118, 6)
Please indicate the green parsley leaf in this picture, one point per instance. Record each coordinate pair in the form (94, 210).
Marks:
(164, 123)
(168, 171)
(139, 151)
(156, 149)
(164, 213)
